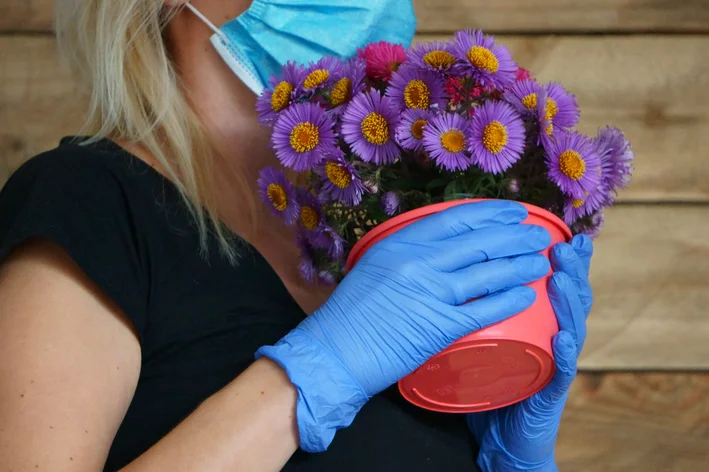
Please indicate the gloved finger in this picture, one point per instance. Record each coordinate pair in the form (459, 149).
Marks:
(482, 279)
(565, 357)
(583, 245)
(487, 244)
(494, 308)
(568, 307)
(564, 259)
(462, 219)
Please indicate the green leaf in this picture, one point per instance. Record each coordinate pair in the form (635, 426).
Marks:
(451, 191)
(436, 183)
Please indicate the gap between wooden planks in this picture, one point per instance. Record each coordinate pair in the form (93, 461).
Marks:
(630, 422)
(654, 88)
(508, 16)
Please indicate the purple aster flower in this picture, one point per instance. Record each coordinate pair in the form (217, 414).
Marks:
(302, 136)
(573, 163)
(591, 229)
(546, 127)
(489, 64)
(368, 126)
(306, 267)
(412, 87)
(524, 96)
(513, 186)
(432, 55)
(391, 203)
(347, 84)
(277, 192)
(310, 213)
(616, 158)
(321, 74)
(409, 133)
(446, 138)
(280, 93)
(341, 182)
(561, 107)
(575, 208)
(371, 185)
(326, 277)
(307, 270)
(325, 237)
(497, 137)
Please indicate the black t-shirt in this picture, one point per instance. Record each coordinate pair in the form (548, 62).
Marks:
(199, 319)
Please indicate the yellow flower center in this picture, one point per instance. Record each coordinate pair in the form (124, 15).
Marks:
(578, 203)
(281, 96)
(310, 217)
(453, 140)
(494, 137)
(417, 128)
(316, 77)
(278, 197)
(439, 59)
(375, 129)
(572, 164)
(304, 137)
(551, 110)
(550, 129)
(530, 101)
(338, 175)
(417, 95)
(483, 59)
(341, 92)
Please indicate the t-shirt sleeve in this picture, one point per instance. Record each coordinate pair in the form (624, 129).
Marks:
(80, 203)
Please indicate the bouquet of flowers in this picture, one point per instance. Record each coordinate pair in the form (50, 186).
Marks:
(393, 130)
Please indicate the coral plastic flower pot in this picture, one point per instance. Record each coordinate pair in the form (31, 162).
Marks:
(496, 366)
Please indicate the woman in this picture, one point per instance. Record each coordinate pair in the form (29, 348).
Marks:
(139, 278)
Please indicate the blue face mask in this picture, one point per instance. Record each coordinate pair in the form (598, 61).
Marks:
(271, 32)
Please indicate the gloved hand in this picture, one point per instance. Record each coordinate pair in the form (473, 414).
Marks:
(522, 436)
(400, 305)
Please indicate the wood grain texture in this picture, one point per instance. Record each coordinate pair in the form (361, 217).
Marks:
(549, 16)
(26, 15)
(650, 276)
(38, 100)
(623, 422)
(508, 16)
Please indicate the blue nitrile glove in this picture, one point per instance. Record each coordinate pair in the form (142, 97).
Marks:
(522, 436)
(400, 305)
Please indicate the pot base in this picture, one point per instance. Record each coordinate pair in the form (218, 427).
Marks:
(478, 375)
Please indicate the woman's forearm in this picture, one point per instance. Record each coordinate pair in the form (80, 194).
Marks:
(249, 425)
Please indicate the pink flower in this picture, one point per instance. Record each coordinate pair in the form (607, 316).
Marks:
(454, 89)
(382, 59)
(523, 74)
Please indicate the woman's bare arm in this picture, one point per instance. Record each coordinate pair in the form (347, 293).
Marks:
(70, 365)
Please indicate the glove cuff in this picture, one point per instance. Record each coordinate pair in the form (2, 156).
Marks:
(499, 461)
(328, 396)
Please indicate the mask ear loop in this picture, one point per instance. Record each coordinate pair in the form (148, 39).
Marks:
(204, 19)
(234, 57)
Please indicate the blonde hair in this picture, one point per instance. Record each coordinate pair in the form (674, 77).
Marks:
(116, 49)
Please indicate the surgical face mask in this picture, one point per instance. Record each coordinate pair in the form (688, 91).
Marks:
(259, 42)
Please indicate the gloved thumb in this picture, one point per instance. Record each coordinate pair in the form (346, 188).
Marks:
(583, 246)
(565, 356)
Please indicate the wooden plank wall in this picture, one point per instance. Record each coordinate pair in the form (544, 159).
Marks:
(642, 401)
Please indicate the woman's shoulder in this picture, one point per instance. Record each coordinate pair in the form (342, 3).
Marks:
(93, 185)
(78, 164)
(98, 205)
